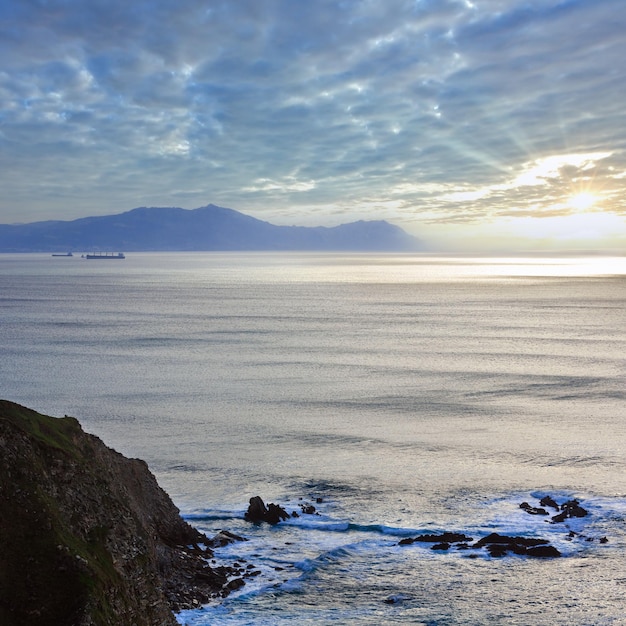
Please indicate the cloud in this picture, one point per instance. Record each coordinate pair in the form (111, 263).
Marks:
(417, 111)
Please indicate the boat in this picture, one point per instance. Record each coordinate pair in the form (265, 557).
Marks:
(104, 255)
(62, 254)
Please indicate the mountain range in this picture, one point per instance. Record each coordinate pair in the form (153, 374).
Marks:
(205, 228)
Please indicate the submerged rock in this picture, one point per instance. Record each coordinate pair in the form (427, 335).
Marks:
(396, 598)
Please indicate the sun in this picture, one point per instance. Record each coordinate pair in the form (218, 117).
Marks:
(582, 201)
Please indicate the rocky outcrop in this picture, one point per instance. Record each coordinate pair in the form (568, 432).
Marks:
(259, 512)
(497, 545)
(500, 545)
(272, 513)
(568, 509)
(447, 537)
(87, 536)
(571, 508)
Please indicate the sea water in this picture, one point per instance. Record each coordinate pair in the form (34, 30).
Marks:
(397, 394)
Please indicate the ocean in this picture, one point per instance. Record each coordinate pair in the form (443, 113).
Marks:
(398, 395)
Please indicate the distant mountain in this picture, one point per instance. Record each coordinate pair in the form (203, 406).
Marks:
(207, 228)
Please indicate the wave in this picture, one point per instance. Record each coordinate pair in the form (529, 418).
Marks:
(302, 558)
(501, 514)
(213, 516)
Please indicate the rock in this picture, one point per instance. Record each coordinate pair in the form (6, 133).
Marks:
(407, 541)
(571, 508)
(446, 537)
(441, 546)
(496, 550)
(223, 538)
(531, 510)
(543, 552)
(258, 512)
(235, 583)
(495, 538)
(498, 545)
(275, 514)
(548, 501)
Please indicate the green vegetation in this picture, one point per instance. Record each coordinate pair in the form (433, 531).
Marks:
(57, 433)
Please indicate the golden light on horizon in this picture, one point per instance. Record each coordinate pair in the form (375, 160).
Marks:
(582, 201)
(582, 225)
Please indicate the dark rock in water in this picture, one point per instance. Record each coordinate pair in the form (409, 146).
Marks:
(548, 501)
(446, 537)
(275, 514)
(258, 512)
(571, 508)
(308, 509)
(223, 538)
(498, 545)
(495, 538)
(87, 535)
(406, 542)
(235, 583)
(543, 552)
(531, 510)
(497, 550)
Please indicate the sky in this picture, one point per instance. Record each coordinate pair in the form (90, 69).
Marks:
(472, 124)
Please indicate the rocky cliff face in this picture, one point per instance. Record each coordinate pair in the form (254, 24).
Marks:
(87, 537)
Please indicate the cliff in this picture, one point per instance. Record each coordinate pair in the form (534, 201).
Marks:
(87, 537)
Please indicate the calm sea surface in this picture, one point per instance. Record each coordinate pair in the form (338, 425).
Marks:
(411, 394)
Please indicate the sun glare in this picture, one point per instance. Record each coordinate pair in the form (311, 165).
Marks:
(582, 201)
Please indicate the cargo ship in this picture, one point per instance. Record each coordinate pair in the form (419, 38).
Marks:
(104, 255)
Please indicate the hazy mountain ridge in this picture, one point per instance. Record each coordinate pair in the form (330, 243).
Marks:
(206, 228)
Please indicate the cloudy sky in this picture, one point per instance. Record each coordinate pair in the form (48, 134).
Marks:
(467, 122)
